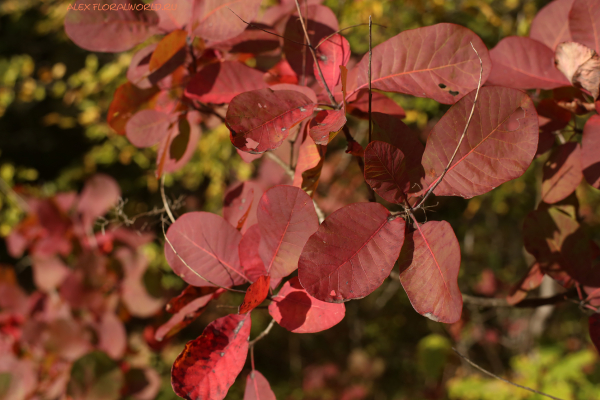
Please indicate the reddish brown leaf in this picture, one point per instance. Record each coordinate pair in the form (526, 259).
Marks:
(326, 125)
(551, 24)
(562, 173)
(208, 365)
(242, 199)
(99, 194)
(253, 266)
(168, 48)
(295, 310)
(594, 326)
(532, 280)
(221, 82)
(380, 103)
(580, 65)
(524, 63)
(331, 53)
(189, 294)
(128, 100)
(429, 264)
(287, 218)
(217, 20)
(590, 156)
(255, 294)
(551, 116)
(147, 127)
(257, 387)
(94, 26)
(185, 316)
(352, 253)
(260, 120)
(502, 115)
(209, 245)
(386, 172)
(355, 149)
(434, 61)
(584, 23)
(308, 167)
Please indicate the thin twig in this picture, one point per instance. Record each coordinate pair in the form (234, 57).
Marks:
(525, 303)
(164, 199)
(342, 30)
(485, 371)
(262, 334)
(370, 91)
(439, 180)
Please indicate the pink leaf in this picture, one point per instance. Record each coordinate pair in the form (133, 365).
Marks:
(242, 199)
(286, 218)
(208, 365)
(524, 63)
(584, 23)
(255, 294)
(352, 253)
(147, 127)
(253, 266)
(331, 53)
(429, 264)
(551, 24)
(48, 272)
(434, 61)
(257, 387)
(260, 120)
(221, 82)
(562, 173)
(112, 337)
(215, 19)
(590, 156)
(109, 31)
(386, 171)
(499, 145)
(209, 245)
(326, 125)
(99, 194)
(295, 310)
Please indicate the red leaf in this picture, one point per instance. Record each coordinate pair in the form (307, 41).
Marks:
(282, 73)
(529, 282)
(580, 65)
(240, 200)
(584, 23)
(429, 264)
(185, 316)
(305, 90)
(255, 294)
(355, 148)
(189, 294)
(168, 48)
(295, 310)
(221, 82)
(380, 103)
(127, 101)
(551, 24)
(99, 194)
(253, 266)
(331, 53)
(217, 20)
(386, 171)
(499, 145)
(524, 63)
(308, 167)
(352, 253)
(147, 127)
(286, 218)
(590, 156)
(390, 129)
(209, 245)
(552, 117)
(594, 324)
(109, 31)
(434, 61)
(260, 120)
(562, 173)
(208, 365)
(326, 125)
(257, 387)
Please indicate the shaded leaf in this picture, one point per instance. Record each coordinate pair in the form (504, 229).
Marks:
(127, 100)
(251, 41)
(147, 127)
(95, 376)
(584, 23)
(590, 156)
(326, 125)
(352, 253)
(297, 311)
(208, 365)
(168, 48)
(532, 280)
(256, 293)
(429, 264)
(550, 25)
(189, 294)
(257, 387)
(99, 194)
(331, 53)
(502, 116)
(287, 218)
(215, 19)
(562, 173)
(386, 171)
(594, 326)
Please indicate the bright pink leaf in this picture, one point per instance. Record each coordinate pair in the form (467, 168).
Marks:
(242, 199)
(147, 127)
(429, 264)
(434, 61)
(326, 124)
(257, 387)
(208, 365)
(251, 262)
(99, 194)
(594, 324)
(551, 24)
(221, 82)
(524, 63)
(590, 156)
(106, 30)
(297, 311)
(209, 246)
(380, 103)
(255, 294)
(502, 115)
(584, 23)
(332, 53)
(562, 173)
(287, 218)
(260, 120)
(352, 253)
(217, 20)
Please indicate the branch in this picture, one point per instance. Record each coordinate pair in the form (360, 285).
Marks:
(526, 303)
(435, 185)
(262, 334)
(502, 379)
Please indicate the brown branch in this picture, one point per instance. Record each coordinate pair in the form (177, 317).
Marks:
(526, 303)
(262, 334)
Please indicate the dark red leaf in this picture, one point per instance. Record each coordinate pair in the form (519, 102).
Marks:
(209, 245)
(386, 172)
(326, 125)
(584, 23)
(240, 200)
(429, 264)
(147, 127)
(551, 24)
(257, 387)
(594, 325)
(529, 282)
(260, 120)
(390, 129)
(434, 61)
(286, 218)
(580, 65)
(208, 365)
(221, 82)
(185, 316)
(99, 194)
(562, 173)
(295, 310)
(255, 294)
(552, 117)
(380, 103)
(128, 100)
(168, 48)
(331, 53)
(590, 156)
(502, 115)
(355, 148)
(217, 20)
(96, 29)
(352, 253)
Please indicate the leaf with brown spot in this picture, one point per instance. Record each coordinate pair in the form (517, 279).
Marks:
(255, 294)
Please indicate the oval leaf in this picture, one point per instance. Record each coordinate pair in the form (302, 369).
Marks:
(562, 173)
(257, 387)
(170, 47)
(429, 264)
(255, 294)
(590, 156)
(331, 53)
(147, 127)
(217, 20)
(551, 24)
(352, 253)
